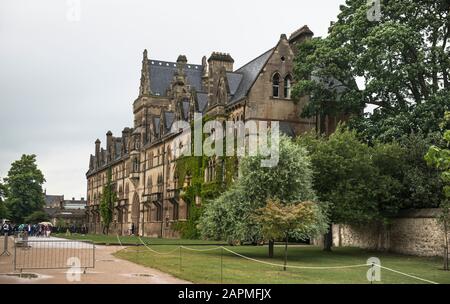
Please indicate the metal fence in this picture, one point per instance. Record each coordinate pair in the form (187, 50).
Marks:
(53, 254)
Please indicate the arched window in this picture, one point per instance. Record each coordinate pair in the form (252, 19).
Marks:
(276, 85)
(287, 86)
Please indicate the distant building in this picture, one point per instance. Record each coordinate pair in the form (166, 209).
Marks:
(66, 212)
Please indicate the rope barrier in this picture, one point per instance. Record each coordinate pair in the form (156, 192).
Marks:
(405, 274)
(161, 253)
(293, 266)
(280, 265)
(201, 250)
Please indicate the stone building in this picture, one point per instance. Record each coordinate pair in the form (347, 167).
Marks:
(141, 160)
(69, 212)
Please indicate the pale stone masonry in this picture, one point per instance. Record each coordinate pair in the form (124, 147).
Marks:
(142, 159)
(412, 232)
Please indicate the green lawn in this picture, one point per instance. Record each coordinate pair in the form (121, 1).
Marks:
(205, 267)
(133, 240)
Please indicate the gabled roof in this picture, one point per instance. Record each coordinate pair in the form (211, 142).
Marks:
(249, 73)
(162, 72)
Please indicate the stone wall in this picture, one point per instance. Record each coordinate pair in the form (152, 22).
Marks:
(413, 232)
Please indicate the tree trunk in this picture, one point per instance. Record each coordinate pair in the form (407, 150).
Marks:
(328, 239)
(285, 253)
(271, 246)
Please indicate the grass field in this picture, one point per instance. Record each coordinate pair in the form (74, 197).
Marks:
(133, 240)
(220, 266)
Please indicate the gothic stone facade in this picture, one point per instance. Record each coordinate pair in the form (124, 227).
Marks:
(142, 162)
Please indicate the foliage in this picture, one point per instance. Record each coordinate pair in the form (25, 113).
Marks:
(359, 181)
(37, 217)
(24, 188)
(199, 190)
(402, 61)
(440, 159)
(297, 220)
(3, 210)
(230, 216)
(108, 198)
(422, 186)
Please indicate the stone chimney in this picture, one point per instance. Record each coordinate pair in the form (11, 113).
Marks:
(109, 145)
(217, 64)
(97, 152)
(218, 60)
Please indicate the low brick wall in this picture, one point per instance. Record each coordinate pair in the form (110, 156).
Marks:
(413, 232)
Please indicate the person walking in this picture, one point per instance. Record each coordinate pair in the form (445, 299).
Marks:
(6, 228)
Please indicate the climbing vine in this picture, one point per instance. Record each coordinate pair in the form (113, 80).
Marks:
(197, 192)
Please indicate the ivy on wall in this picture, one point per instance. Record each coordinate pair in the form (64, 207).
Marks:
(198, 192)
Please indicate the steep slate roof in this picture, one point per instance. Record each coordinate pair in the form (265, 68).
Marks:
(185, 106)
(161, 75)
(202, 101)
(168, 119)
(156, 124)
(234, 79)
(249, 73)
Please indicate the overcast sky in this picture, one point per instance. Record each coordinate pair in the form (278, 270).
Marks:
(64, 83)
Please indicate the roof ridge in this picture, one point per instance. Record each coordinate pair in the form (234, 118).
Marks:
(170, 62)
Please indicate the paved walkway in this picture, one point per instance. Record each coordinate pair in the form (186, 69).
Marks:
(108, 270)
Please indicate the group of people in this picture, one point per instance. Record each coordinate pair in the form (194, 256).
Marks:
(37, 230)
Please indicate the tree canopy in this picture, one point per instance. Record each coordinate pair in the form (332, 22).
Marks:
(359, 181)
(3, 210)
(24, 188)
(231, 215)
(402, 63)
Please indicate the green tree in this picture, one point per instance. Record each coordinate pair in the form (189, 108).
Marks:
(106, 207)
(402, 61)
(37, 217)
(3, 210)
(298, 220)
(24, 188)
(357, 180)
(439, 158)
(230, 216)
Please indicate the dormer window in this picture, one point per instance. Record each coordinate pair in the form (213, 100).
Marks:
(276, 85)
(287, 86)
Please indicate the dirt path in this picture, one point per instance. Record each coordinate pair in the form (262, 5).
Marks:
(108, 270)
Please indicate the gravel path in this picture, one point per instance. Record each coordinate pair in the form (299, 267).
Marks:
(108, 269)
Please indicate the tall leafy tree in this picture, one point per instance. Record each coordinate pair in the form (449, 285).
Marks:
(24, 187)
(402, 62)
(3, 210)
(231, 216)
(108, 198)
(359, 182)
(439, 158)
